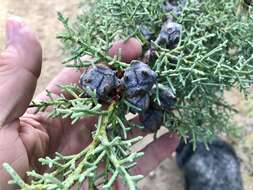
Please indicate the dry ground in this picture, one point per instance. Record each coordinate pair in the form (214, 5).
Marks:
(42, 17)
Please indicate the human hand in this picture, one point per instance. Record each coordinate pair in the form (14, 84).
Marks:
(24, 136)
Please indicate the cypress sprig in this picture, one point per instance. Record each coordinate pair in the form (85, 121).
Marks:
(214, 54)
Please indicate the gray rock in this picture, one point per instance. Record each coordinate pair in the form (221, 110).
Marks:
(214, 169)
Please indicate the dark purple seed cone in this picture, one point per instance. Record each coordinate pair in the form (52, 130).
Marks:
(152, 119)
(146, 32)
(248, 2)
(138, 79)
(100, 78)
(166, 97)
(170, 34)
(172, 7)
(141, 102)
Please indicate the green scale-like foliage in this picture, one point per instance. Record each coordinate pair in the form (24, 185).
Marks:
(215, 53)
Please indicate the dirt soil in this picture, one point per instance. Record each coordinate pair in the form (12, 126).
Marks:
(41, 15)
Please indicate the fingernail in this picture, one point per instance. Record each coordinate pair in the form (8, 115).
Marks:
(13, 26)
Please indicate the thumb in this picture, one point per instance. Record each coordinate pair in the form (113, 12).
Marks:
(20, 65)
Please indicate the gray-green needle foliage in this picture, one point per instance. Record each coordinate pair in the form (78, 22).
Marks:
(215, 54)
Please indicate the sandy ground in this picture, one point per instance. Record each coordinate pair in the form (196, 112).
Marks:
(41, 15)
